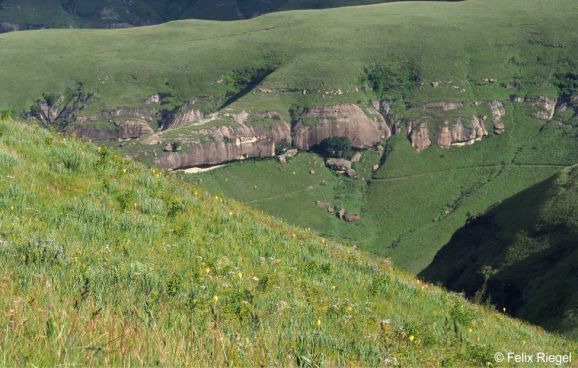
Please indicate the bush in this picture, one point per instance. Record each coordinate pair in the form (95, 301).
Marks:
(392, 82)
(337, 147)
(282, 146)
(6, 115)
(567, 84)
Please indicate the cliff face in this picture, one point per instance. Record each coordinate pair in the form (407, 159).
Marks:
(419, 136)
(348, 120)
(238, 139)
(225, 144)
(460, 135)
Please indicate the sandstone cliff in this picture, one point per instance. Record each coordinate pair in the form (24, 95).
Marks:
(498, 112)
(460, 135)
(348, 120)
(225, 144)
(544, 107)
(419, 136)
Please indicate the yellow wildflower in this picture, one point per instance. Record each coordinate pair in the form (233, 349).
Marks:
(215, 298)
(411, 338)
(318, 322)
(207, 270)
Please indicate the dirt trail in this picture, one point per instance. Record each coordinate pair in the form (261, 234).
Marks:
(401, 177)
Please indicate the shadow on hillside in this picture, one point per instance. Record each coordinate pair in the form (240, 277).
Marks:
(510, 258)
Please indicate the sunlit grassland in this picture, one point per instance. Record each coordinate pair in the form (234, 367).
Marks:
(413, 204)
(105, 262)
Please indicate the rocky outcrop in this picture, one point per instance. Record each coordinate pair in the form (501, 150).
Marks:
(59, 111)
(419, 136)
(150, 115)
(348, 120)
(339, 164)
(384, 107)
(498, 112)
(545, 107)
(351, 217)
(224, 144)
(460, 135)
(131, 129)
(125, 129)
(282, 158)
(444, 105)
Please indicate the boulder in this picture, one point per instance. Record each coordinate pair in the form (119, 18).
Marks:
(512, 85)
(351, 173)
(356, 157)
(351, 218)
(340, 214)
(339, 164)
(322, 205)
(291, 153)
(375, 167)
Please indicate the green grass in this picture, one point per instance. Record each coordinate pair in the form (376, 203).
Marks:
(529, 242)
(327, 50)
(106, 262)
(415, 202)
(314, 50)
(87, 13)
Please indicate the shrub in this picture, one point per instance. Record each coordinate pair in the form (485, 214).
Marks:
(337, 147)
(6, 115)
(282, 146)
(391, 82)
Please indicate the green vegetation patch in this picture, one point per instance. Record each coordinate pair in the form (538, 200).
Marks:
(118, 264)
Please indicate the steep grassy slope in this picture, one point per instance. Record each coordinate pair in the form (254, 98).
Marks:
(105, 262)
(31, 14)
(471, 51)
(521, 255)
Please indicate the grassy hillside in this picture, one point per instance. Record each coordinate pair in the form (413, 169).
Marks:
(33, 14)
(521, 255)
(105, 262)
(413, 204)
(319, 51)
